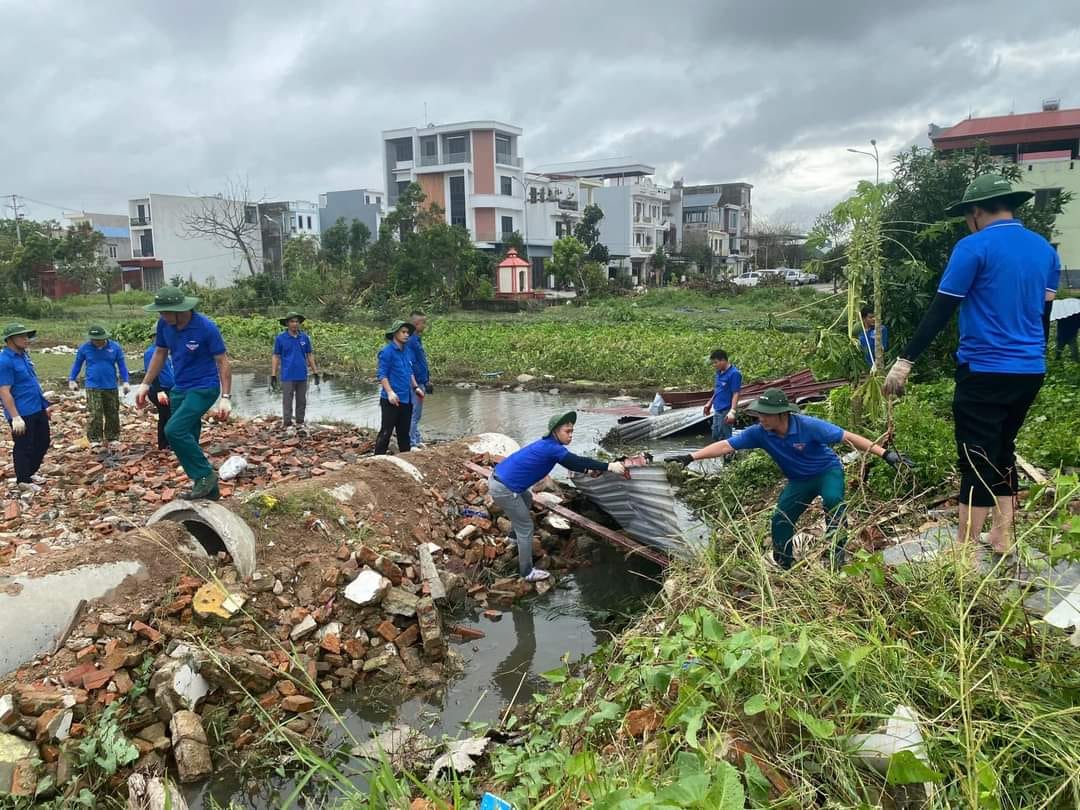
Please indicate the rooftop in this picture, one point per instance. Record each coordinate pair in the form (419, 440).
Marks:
(1007, 124)
(603, 169)
(434, 129)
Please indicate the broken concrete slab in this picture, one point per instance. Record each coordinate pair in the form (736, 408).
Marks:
(369, 588)
(147, 792)
(429, 574)
(343, 493)
(13, 750)
(235, 535)
(304, 628)
(190, 748)
(400, 602)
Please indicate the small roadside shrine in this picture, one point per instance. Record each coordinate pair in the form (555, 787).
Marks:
(513, 278)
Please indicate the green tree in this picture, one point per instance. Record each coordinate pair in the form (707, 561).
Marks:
(659, 264)
(517, 242)
(587, 231)
(568, 254)
(80, 256)
(301, 253)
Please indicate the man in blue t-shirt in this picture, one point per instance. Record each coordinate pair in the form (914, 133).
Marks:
(510, 481)
(202, 381)
(25, 407)
(1003, 278)
(104, 359)
(801, 446)
(159, 391)
(868, 335)
(397, 389)
(293, 357)
(420, 369)
(725, 398)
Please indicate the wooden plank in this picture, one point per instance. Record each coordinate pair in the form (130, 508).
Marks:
(633, 546)
(1032, 473)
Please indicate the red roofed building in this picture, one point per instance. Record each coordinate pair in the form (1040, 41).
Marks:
(1046, 145)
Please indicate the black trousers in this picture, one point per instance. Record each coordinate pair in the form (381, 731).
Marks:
(163, 413)
(395, 419)
(29, 449)
(988, 411)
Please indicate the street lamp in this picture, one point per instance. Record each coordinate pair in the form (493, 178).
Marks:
(877, 162)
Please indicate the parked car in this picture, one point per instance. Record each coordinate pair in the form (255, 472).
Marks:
(797, 278)
(747, 280)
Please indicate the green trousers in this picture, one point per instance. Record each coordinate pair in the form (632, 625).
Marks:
(185, 427)
(794, 499)
(103, 408)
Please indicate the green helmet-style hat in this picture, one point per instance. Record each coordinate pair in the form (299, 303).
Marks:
(989, 187)
(16, 329)
(171, 299)
(558, 420)
(293, 314)
(397, 325)
(98, 332)
(773, 400)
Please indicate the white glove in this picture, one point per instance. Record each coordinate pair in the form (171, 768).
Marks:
(18, 426)
(141, 395)
(162, 398)
(393, 399)
(126, 387)
(730, 418)
(72, 385)
(222, 409)
(897, 377)
(616, 467)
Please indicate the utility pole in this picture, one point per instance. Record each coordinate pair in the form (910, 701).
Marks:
(15, 213)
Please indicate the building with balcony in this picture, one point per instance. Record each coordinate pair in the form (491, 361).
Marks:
(281, 221)
(1046, 146)
(362, 204)
(472, 170)
(718, 215)
(553, 208)
(162, 239)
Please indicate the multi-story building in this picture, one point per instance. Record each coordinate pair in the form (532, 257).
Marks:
(1046, 145)
(162, 237)
(363, 204)
(553, 208)
(471, 170)
(281, 221)
(718, 215)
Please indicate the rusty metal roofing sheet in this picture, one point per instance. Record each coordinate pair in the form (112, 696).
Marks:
(656, 427)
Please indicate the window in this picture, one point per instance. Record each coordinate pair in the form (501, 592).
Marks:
(112, 251)
(251, 215)
(1046, 197)
(403, 149)
(457, 149)
(562, 229)
(506, 185)
(367, 199)
(429, 151)
(309, 223)
(507, 225)
(300, 222)
(457, 200)
(402, 185)
(502, 149)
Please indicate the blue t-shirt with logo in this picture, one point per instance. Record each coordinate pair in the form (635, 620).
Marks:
(193, 350)
(395, 366)
(728, 382)
(415, 347)
(866, 340)
(1002, 273)
(165, 378)
(531, 463)
(17, 371)
(293, 352)
(101, 364)
(803, 453)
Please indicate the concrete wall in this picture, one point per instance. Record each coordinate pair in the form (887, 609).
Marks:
(615, 228)
(1063, 174)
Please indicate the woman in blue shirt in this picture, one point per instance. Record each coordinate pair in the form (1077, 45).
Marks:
(800, 445)
(104, 359)
(397, 388)
(510, 481)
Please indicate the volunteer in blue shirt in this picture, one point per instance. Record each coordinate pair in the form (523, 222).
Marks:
(202, 381)
(159, 391)
(293, 357)
(868, 335)
(725, 398)
(510, 481)
(800, 446)
(1003, 278)
(397, 389)
(421, 371)
(104, 359)
(25, 407)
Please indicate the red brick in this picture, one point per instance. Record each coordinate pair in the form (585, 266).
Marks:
(407, 637)
(297, 703)
(75, 676)
(331, 644)
(467, 633)
(97, 678)
(387, 630)
(147, 632)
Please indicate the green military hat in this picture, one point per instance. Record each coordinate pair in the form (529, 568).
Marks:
(396, 326)
(989, 187)
(171, 299)
(558, 420)
(773, 400)
(293, 314)
(15, 329)
(98, 332)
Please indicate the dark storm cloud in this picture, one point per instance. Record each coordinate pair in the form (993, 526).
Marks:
(109, 100)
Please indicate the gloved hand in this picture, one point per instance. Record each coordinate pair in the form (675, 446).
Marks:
(617, 467)
(273, 382)
(126, 387)
(393, 398)
(141, 395)
(222, 409)
(72, 385)
(683, 459)
(730, 418)
(18, 426)
(318, 378)
(162, 398)
(897, 377)
(894, 459)
(429, 388)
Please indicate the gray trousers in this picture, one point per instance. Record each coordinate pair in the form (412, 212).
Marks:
(289, 391)
(516, 506)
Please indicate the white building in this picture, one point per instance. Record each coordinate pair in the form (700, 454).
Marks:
(282, 221)
(114, 229)
(553, 208)
(161, 236)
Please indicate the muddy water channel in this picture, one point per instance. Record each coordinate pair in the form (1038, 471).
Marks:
(537, 635)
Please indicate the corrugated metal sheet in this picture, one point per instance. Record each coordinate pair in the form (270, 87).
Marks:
(800, 387)
(656, 427)
(647, 509)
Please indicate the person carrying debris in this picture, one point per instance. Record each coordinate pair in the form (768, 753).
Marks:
(159, 392)
(801, 446)
(867, 336)
(202, 382)
(25, 407)
(397, 389)
(104, 359)
(1003, 278)
(293, 357)
(725, 398)
(420, 370)
(513, 476)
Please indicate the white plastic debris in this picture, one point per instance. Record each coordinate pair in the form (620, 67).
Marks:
(1066, 614)
(901, 734)
(233, 466)
(459, 756)
(656, 407)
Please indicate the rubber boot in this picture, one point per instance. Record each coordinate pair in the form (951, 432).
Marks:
(204, 489)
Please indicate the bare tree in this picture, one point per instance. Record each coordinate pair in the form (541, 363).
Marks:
(777, 244)
(230, 218)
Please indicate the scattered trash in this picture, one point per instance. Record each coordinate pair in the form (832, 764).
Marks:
(233, 466)
(459, 756)
(368, 588)
(656, 407)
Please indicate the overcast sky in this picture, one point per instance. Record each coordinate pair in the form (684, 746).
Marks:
(109, 100)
